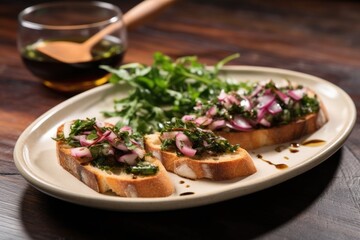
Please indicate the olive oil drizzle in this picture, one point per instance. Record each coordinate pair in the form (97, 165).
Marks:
(313, 143)
(278, 166)
(186, 186)
(186, 193)
(293, 148)
(295, 145)
(280, 148)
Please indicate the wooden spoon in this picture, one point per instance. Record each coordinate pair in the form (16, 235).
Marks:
(72, 52)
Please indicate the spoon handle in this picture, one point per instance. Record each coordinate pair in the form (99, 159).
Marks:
(143, 11)
(131, 18)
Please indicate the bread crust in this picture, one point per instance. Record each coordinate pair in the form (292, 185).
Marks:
(124, 185)
(277, 135)
(227, 166)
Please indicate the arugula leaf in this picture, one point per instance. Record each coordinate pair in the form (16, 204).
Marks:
(166, 89)
(82, 125)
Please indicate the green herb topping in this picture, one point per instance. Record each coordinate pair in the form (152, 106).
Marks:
(189, 140)
(263, 105)
(107, 147)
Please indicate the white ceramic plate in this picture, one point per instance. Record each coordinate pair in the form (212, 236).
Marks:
(36, 159)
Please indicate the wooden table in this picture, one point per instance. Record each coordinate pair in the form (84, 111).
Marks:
(321, 38)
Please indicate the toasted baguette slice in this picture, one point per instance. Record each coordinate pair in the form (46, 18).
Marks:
(251, 133)
(124, 185)
(271, 136)
(223, 167)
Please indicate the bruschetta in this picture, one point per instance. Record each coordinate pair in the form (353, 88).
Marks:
(109, 159)
(264, 114)
(195, 153)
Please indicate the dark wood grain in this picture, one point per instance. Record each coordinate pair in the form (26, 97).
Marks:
(316, 37)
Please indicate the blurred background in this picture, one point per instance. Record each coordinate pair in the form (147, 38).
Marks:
(300, 35)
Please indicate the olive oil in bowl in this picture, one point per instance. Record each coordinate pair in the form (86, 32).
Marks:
(74, 77)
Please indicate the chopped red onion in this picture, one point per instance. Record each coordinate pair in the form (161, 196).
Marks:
(212, 111)
(261, 113)
(265, 100)
(120, 145)
(85, 142)
(256, 91)
(296, 94)
(188, 118)
(129, 158)
(267, 92)
(283, 96)
(228, 99)
(227, 103)
(240, 123)
(203, 121)
(80, 152)
(222, 95)
(184, 144)
(135, 142)
(233, 99)
(126, 129)
(198, 106)
(115, 141)
(205, 143)
(265, 122)
(217, 124)
(112, 137)
(246, 104)
(102, 136)
(139, 151)
(274, 108)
